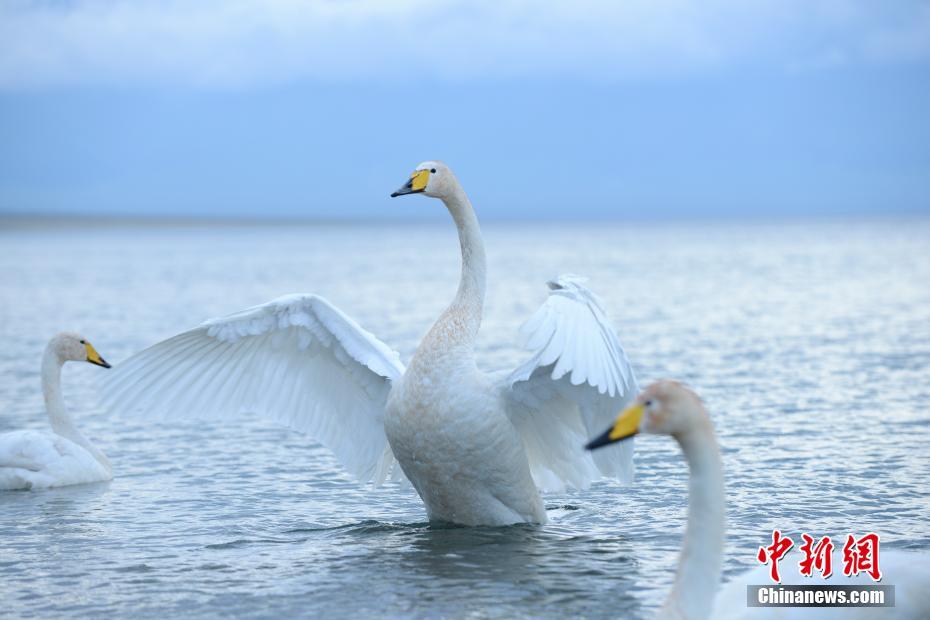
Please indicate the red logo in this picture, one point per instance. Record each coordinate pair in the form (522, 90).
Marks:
(774, 552)
(819, 556)
(860, 555)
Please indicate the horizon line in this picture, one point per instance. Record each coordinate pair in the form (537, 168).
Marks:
(21, 220)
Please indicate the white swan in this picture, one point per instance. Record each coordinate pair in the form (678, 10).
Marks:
(669, 408)
(475, 447)
(38, 460)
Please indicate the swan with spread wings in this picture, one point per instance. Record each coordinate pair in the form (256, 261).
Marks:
(476, 447)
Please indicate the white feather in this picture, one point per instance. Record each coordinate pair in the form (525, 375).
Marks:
(39, 460)
(573, 385)
(296, 359)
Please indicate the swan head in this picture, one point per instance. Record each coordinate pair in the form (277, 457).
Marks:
(431, 178)
(71, 347)
(664, 408)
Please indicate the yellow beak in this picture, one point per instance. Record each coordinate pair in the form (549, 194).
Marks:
(626, 426)
(93, 357)
(415, 185)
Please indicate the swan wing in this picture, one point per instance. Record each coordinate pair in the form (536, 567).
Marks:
(297, 359)
(37, 460)
(29, 450)
(574, 384)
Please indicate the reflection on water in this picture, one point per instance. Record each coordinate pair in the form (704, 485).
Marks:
(810, 348)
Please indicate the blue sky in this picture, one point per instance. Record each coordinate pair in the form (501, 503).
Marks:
(584, 109)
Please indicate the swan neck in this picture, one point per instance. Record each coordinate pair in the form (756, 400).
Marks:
(62, 423)
(51, 391)
(468, 304)
(700, 563)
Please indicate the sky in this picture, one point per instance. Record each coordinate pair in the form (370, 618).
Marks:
(571, 110)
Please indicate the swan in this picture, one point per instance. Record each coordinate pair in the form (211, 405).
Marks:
(38, 460)
(669, 408)
(476, 447)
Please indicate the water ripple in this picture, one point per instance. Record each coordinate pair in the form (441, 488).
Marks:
(810, 348)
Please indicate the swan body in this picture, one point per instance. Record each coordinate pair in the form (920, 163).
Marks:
(669, 408)
(448, 428)
(37, 460)
(476, 447)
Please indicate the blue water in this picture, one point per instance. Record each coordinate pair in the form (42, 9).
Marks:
(809, 341)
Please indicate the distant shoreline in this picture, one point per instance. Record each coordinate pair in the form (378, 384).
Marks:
(28, 221)
(22, 220)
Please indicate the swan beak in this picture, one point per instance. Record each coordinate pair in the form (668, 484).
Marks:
(415, 185)
(626, 426)
(93, 357)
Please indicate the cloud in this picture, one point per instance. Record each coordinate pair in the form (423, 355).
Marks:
(235, 43)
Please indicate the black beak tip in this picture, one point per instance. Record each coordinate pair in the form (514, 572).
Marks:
(601, 440)
(395, 194)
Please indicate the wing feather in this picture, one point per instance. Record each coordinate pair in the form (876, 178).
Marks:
(573, 385)
(297, 359)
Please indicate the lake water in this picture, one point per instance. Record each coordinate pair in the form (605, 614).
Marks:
(809, 341)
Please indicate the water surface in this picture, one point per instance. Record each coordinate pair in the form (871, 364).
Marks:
(809, 341)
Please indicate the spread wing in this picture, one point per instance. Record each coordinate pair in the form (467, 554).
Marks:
(575, 383)
(297, 360)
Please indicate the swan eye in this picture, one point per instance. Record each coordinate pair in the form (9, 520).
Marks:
(82, 342)
(648, 403)
(433, 170)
